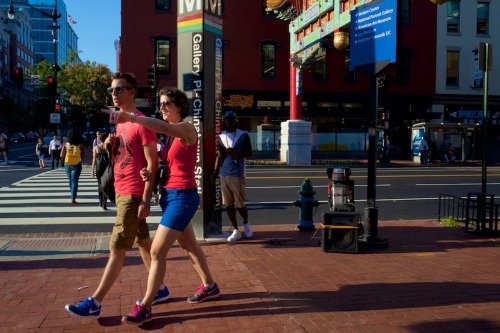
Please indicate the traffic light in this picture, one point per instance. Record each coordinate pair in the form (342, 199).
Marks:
(57, 105)
(52, 86)
(18, 77)
(151, 77)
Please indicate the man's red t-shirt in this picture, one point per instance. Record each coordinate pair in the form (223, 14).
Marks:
(130, 157)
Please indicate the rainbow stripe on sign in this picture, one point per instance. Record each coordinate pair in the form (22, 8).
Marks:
(195, 22)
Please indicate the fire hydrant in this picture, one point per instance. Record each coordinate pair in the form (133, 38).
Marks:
(306, 203)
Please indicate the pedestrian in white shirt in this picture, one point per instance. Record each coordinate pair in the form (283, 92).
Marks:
(424, 150)
(55, 151)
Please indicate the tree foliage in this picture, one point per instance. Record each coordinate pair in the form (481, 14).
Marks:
(81, 89)
(44, 70)
(84, 86)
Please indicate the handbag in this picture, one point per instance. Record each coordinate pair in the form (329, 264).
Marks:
(163, 172)
(107, 182)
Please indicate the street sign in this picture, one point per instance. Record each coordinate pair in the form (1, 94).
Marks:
(485, 55)
(35, 80)
(373, 33)
(55, 118)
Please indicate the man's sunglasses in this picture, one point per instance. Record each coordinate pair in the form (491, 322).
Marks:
(166, 103)
(117, 89)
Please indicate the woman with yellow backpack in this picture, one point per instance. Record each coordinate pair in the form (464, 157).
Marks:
(73, 152)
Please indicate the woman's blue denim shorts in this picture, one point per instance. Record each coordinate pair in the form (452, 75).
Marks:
(179, 207)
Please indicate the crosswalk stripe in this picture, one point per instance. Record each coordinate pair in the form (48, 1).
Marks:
(49, 188)
(45, 199)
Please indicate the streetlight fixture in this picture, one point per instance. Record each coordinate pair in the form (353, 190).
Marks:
(54, 16)
(55, 67)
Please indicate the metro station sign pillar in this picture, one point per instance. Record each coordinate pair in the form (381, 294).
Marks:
(200, 49)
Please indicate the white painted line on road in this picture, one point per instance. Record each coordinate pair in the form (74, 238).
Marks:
(298, 186)
(16, 169)
(21, 197)
(270, 203)
(64, 207)
(456, 184)
(85, 206)
(49, 194)
(402, 199)
(33, 191)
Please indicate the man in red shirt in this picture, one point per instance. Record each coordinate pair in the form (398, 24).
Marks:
(133, 148)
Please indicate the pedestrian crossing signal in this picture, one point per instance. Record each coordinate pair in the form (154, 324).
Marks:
(151, 77)
(18, 77)
(51, 86)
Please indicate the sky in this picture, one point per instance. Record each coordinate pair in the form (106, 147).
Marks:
(98, 25)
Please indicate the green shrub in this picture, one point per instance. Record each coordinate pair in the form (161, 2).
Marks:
(449, 222)
(337, 162)
(265, 162)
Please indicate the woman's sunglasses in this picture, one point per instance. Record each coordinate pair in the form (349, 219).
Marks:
(117, 89)
(166, 103)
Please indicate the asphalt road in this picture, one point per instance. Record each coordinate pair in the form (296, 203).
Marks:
(403, 193)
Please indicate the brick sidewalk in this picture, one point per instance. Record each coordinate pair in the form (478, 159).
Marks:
(429, 279)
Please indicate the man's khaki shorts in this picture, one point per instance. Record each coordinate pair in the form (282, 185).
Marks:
(128, 228)
(233, 191)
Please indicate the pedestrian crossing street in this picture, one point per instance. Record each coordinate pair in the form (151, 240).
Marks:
(45, 199)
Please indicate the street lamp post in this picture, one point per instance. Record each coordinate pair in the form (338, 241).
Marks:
(54, 16)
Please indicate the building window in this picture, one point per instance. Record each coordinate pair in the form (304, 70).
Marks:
(163, 5)
(453, 21)
(483, 14)
(163, 52)
(268, 60)
(405, 12)
(319, 66)
(403, 66)
(349, 75)
(452, 68)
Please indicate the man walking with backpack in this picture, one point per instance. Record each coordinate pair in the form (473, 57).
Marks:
(100, 161)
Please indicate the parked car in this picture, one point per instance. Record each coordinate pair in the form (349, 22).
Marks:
(31, 136)
(47, 138)
(17, 138)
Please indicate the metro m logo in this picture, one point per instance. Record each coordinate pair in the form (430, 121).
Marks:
(194, 6)
(188, 6)
(214, 7)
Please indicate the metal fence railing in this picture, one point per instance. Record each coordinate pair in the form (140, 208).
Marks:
(477, 210)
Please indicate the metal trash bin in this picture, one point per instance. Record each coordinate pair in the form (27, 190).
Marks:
(340, 190)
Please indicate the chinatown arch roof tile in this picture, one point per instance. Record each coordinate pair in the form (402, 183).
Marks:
(286, 9)
(284, 4)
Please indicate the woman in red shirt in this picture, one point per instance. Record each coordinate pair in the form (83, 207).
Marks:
(179, 200)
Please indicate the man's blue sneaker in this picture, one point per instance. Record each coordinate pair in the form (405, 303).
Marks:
(85, 308)
(161, 296)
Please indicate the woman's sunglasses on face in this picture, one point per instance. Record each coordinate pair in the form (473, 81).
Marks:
(117, 89)
(166, 103)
